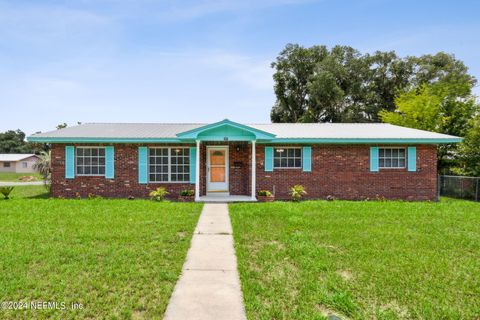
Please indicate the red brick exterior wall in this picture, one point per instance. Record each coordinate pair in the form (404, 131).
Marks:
(125, 183)
(341, 171)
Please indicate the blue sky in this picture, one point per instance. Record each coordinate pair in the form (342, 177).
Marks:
(193, 61)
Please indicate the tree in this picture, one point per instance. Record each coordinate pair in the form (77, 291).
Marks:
(62, 126)
(335, 87)
(470, 150)
(343, 85)
(446, 106)
(294, 66)
(13, 141)
(44, 167)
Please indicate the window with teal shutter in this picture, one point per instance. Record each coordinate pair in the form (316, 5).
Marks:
(373, 159)
(69, 162)
(193, 164)
(268, 159)
(307, 159)
(412, 158)
(142, 165)
(109, 162)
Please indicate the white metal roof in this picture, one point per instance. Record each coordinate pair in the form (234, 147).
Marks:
(346, 131)
(121, 130)
(281, 130)
(15, 156)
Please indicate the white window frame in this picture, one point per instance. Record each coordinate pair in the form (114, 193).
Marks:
(285, 149)
(391, 158)
(7, 164)
(90, 174)
(24, 164)
(169, 166)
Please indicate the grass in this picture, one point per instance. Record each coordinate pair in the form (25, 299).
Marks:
(28, 192)
(120, 259)
(359, 260)
(14, 177)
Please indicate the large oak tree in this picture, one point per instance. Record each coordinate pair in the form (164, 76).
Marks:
(341, 84)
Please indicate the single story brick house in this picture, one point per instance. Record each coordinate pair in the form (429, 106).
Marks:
(346, 161)
(18, 162)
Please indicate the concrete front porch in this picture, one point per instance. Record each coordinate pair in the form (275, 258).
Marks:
(222, 198)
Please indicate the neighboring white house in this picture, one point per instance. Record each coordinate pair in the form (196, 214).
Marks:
(17, 162)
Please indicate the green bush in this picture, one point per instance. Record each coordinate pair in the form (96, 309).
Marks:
(187, 193)
(264, 193)
(297, 192)
(6, 191)
(159, 194)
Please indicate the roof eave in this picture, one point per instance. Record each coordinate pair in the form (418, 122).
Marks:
(369, 140)
(263, 141)
(102, 140)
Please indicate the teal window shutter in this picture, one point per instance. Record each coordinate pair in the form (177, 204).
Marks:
(373, 159)
(109, 162)
(412, 158)
(69, 162)
(307, 159)
(268, 159)
(193, 163)
(142, 165)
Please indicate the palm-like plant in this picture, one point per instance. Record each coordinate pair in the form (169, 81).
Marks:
(159, 194)
(297, 192)
(6, 191)
(44, 167)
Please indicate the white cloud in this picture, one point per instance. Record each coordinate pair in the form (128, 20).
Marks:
(169, 86)
(251, 71)
(40, 24)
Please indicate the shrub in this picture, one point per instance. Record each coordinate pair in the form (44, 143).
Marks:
(187, 193)
(297, 192)
(264, 193)
(6, 191)
(159, 194)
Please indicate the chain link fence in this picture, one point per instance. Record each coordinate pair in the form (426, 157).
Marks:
(459, 187)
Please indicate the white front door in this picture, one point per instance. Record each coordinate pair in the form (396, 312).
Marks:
(217, 169)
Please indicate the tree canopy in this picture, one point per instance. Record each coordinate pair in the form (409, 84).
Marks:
(446, 106)
(470, 150)
(13, 141)
(341, 84)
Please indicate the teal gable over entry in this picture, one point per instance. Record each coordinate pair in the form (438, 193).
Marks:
(226, 130)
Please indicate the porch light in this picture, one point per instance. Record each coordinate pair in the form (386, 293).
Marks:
(177, 150)
(280, 150)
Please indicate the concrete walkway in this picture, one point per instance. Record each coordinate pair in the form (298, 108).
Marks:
(209, 287)
(13, 184)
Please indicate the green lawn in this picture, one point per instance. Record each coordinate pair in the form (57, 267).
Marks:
(28, 192)
(361, 260)
(120, 259)
(14, 177)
